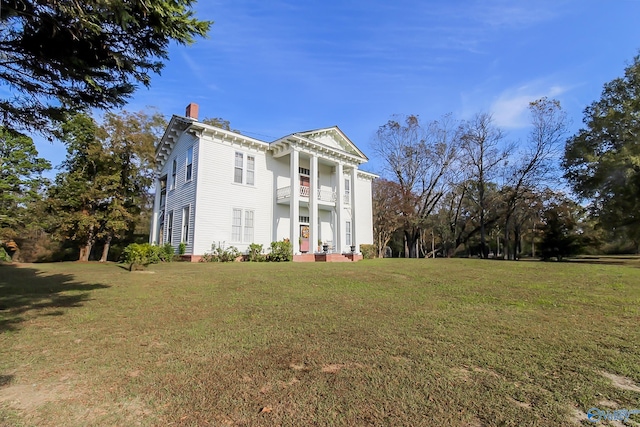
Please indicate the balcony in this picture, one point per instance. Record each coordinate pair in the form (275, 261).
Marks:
(324, 196)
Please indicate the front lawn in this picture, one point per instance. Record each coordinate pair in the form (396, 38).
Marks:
(380, 342)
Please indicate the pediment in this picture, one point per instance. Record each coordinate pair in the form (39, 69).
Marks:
(333, 138)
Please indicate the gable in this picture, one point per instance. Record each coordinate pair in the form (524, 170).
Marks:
(333, 138)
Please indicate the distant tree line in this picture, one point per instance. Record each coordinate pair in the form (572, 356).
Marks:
(452, 188)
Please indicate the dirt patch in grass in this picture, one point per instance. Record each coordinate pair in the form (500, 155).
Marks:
(28, 397)
(621, 382)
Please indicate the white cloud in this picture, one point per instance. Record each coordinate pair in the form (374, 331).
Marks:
(510, 108)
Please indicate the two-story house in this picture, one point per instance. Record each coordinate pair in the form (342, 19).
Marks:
(220, 187)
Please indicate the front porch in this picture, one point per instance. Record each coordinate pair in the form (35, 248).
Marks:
(327, 257)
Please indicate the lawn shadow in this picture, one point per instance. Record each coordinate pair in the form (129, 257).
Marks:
(24, 289)
(628, 261)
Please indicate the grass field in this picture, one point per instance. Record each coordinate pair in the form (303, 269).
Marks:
(380, 342)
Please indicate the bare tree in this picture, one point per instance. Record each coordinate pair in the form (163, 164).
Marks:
(417, 158)
(483, 152)
(387, 211)
(536, 162)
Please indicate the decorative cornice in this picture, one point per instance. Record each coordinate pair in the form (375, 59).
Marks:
(301, 142)
(367, 175)
(284, 146)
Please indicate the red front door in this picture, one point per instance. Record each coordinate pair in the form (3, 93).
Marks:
(304, 238)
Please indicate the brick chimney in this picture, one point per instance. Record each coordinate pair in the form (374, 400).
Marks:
(192, 111)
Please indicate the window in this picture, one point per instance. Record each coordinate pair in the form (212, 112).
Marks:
(251, 167)
(248, 226)
(170, 227)
(236, 227)
(240, 233)
(347, 229)
(303, 219)
(185, 225)
(237, 172)
(174, 168)
(244, 173)
(347, 191)
(189, 164)
(304, 171)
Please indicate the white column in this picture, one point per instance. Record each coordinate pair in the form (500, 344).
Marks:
(339, 202)
(294, 208)
(313, 204)
(153, 233)
(354, 177)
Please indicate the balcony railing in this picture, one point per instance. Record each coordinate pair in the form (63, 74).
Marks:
(322, 195)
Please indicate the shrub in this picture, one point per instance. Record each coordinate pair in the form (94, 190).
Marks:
(281, 251)
(368, 251)
(4, 256)
(182, 248)
(168, 252)
(142, 254)
(255, 253)
(220, 254)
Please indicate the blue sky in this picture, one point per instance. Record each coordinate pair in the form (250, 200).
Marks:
(276, 67)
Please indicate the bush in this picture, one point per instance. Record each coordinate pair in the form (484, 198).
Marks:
(255, 253)
(281, 251)
(4, 256)
(368, 251)
(168, 252)
(220, 254)
(182, 248)
(143, 254)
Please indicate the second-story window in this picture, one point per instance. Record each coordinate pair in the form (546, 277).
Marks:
(244, 169)
(174, 168)
(237, 171)
(189, 173)
(251, 167)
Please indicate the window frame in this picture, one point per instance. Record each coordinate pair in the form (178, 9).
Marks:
(248, 231)
(244, 168)
(186, 216)
(188, 176)
(243, 225)
(236, 228)
(174, 174)
(169, 237)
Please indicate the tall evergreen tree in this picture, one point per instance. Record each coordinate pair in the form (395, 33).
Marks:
(21, 180)
(68, 55)
(602, 161)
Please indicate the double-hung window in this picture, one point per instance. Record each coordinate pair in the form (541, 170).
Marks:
(189, 173)
(236, 227)
(170, 227)
(347, 191)
(237, 171)
(174, 171)
(348, 233)
(251, 168)
(248, 226)
(185, 225)
(244, 168)
(242, 225)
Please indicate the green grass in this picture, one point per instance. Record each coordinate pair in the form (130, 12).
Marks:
(380, 342)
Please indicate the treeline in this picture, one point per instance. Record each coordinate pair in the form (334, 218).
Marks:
(99, 197)
(461, 188)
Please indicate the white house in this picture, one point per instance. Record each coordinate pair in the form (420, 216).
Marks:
(220, 187)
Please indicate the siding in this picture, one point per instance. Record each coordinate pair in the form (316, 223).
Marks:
(185, 192)
(364, 213)
(218, 195)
